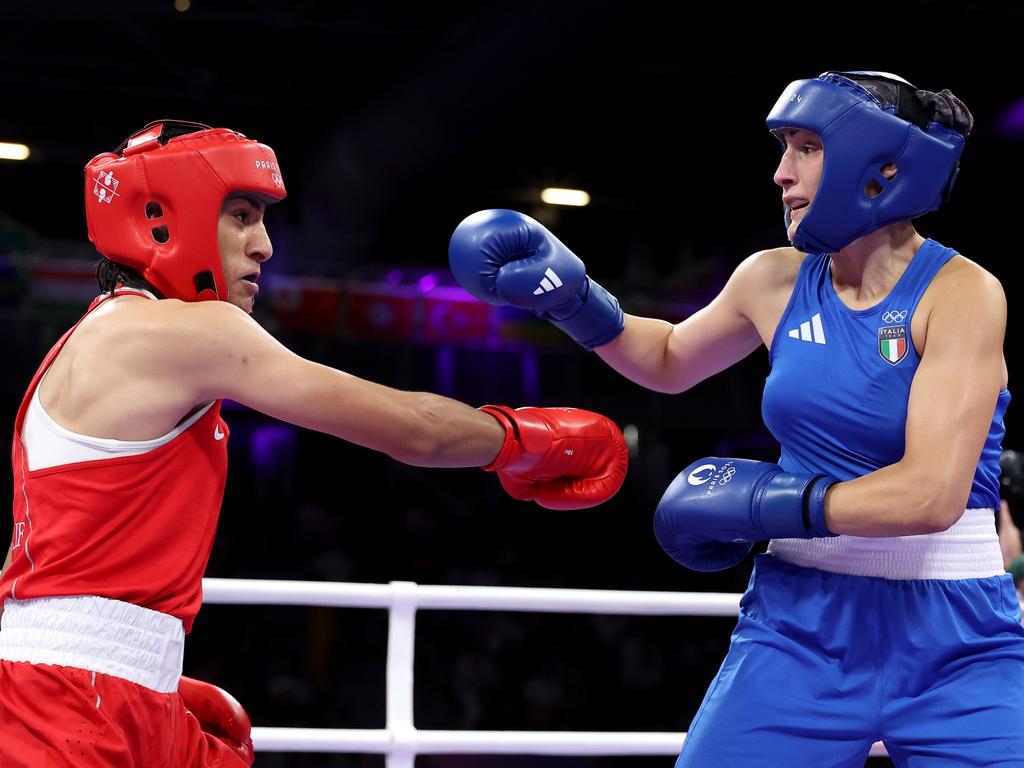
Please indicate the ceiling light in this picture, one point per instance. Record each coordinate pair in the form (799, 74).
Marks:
(9, 151)
(561, 196)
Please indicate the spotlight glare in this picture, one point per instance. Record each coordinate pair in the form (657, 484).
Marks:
(10, 151)
(561, 196)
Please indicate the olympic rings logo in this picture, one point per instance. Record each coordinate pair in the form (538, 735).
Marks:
(894, 317)
(701, 474)
(705, 472)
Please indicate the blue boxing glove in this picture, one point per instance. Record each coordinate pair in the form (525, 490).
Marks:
(716, 508)
(504, 257)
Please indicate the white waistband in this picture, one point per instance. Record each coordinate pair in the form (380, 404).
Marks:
(968, 549)
(95, 633)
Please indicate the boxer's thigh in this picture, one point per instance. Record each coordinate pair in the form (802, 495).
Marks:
(53, 716)
(798, 685)
(955, 682)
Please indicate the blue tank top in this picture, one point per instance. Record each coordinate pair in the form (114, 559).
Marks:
(836, 398)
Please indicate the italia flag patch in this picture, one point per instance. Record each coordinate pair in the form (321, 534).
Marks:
(892, 343)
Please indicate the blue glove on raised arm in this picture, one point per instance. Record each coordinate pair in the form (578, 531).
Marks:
(505, 257)
(716, 508)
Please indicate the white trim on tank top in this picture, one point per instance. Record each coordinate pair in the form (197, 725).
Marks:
(48, 444)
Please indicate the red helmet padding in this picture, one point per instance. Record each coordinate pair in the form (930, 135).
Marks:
(188, 178)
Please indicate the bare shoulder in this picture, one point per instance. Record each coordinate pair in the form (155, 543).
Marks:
(963, 299)
(191, 311)
(167, 331)
(173, 318)
(761, 285)
(963, 285)
(774, 267)
(960, 270)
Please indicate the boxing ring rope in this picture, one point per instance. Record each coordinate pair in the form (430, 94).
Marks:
(401, 741)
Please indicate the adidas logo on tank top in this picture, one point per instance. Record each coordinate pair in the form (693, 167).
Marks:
(810, 330)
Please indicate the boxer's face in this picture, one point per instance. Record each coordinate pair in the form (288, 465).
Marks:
(798, 173)
(244, 246)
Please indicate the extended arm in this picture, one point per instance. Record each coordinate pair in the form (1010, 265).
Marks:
(223, 353)
(672, 358)
(505, 257)
(561, 457)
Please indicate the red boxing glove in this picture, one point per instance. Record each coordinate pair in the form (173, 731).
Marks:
(562, 458)
(220, 716)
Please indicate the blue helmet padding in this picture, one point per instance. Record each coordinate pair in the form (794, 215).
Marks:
(859, 135)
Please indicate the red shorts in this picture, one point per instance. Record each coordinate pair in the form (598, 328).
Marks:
(57, 717)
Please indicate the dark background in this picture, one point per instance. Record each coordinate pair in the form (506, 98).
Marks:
(391, 123)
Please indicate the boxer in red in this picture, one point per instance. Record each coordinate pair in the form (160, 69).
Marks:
(120, 457)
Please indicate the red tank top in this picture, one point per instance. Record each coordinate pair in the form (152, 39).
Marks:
(132, 528)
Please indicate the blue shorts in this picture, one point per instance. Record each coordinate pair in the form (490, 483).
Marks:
(821, 665)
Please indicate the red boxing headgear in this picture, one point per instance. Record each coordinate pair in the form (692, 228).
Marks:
(153, 203)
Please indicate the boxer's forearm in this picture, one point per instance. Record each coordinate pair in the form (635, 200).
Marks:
(892, 501)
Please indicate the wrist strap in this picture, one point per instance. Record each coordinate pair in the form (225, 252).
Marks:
(814, 506)
(512, 446)
(598, 320)
(791, 505)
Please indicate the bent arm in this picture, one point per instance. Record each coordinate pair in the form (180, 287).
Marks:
(673, 358)
(952, 400)
(222, 353)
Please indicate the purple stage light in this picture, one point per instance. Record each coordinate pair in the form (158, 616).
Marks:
(427, 282)
(1010, 122)
(271, 445)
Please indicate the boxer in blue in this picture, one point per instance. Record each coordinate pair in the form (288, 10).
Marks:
(880, 610)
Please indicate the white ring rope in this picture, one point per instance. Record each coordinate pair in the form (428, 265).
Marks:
(401, 741)
(433, 597)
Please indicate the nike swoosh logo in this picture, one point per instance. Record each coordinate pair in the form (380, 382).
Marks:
(217, 434)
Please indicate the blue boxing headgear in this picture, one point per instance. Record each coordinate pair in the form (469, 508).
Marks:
(867, 120)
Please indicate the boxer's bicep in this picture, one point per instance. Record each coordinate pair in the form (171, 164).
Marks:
(224, 354)
(953, 395)
(670, 357)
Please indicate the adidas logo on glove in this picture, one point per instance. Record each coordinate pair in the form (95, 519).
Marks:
(548, 283)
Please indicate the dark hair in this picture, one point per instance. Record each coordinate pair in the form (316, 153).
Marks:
(916, 105)
(110, 275)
